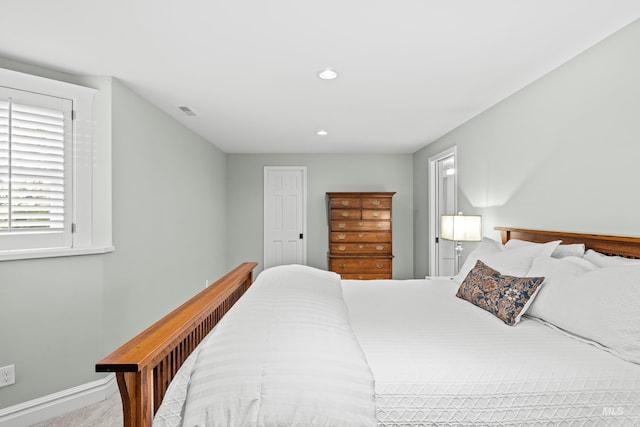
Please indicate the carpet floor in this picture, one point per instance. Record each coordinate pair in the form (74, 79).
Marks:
(107, 413)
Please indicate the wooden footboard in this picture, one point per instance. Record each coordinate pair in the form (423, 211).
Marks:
(145, 365)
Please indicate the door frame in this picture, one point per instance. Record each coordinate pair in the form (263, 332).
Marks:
(434, 200)
(268, 169)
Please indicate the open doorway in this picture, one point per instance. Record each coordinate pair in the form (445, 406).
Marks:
(442, 201)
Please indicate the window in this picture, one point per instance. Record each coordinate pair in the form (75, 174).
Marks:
(35, 173)
(45, 167)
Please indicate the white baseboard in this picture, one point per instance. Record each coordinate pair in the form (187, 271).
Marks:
(56, 404)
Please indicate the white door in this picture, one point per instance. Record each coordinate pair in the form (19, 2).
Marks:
(284, 215)
(442, 174)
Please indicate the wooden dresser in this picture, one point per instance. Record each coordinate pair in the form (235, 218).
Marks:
(360, 235)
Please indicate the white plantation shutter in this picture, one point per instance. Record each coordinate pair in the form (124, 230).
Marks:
(4, 164)
(35, 170)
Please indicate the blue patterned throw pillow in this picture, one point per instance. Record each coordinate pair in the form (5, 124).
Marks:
(506, 297)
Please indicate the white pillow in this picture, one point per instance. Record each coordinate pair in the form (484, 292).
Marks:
(602, 260)
(517, 262)
(554, 271)
(575, 249)
(486, 247)
(600, 305)
(514, 262)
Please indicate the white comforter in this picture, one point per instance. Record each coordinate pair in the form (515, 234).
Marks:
(285, 356)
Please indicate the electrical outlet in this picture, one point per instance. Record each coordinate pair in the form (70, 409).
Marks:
(206, 283)
(7, 375)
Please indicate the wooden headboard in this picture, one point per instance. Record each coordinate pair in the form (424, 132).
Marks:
(628, 247)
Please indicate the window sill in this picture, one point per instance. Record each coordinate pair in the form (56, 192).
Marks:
(52, 253)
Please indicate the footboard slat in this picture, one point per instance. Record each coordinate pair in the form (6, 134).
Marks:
(146, 364)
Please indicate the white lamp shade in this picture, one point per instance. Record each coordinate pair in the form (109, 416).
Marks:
(461, 228)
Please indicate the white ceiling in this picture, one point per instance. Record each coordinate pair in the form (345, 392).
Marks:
(410, 70)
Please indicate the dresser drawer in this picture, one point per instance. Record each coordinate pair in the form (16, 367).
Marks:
(349, 225)
(371, 214)
(365, 276)
(376, 203)
(356, 237)
(345, 203)
(361, 248)
(357, 265)
(346, 214)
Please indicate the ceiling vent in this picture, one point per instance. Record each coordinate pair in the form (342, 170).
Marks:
(188, 111)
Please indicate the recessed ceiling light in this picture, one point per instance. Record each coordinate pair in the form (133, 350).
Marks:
(328, 74)
(322, 132)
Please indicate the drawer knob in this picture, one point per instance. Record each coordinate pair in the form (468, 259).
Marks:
(345, 213)
(379, 248)
(342, 225)
(360, 246)
(379, 265)
(361, 224)
(342, 248)
(360, 234)
(341, 265)
(379, 225)
(376, 214)
(342, 236)
(345, 203)
(375, 202)
(360, 262)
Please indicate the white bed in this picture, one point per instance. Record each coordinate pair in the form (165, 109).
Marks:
(303, 348)
(438, 360)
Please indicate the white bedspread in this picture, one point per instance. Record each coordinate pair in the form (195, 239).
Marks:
(285, 355)
(438, 360)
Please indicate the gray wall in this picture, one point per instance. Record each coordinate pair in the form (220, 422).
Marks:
(562, 154)
(168, 216)
(324, 173)
(51, 319)
(59, 316)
